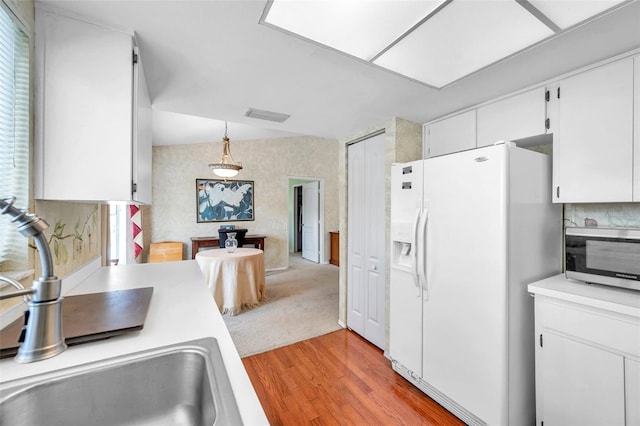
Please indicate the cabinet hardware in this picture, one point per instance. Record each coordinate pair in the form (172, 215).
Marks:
(547, 123)
(558, 93)
(540, 340)
(134, 187)
(547, 96)
(557, 192)
(134, 57)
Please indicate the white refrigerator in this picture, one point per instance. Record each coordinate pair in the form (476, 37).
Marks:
(469, 231)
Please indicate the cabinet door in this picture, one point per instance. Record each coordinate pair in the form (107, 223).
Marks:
(453, 134)
(632, 391)
(592, 143)
(517, 117)
(84, 104)
(636, 132)
(142, 149)
(580, 384)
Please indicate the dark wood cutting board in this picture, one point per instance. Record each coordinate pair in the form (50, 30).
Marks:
(90, 317)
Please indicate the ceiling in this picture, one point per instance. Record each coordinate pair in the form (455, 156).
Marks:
(432, 41)
(208, 61)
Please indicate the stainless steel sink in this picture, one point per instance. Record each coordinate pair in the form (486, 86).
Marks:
(183, 384)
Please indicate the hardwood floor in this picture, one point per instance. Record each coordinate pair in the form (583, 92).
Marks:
(338, 379)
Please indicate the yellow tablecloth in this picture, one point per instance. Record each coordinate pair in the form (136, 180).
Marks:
(236, 280)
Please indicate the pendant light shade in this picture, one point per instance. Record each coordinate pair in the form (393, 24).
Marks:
(226, 168)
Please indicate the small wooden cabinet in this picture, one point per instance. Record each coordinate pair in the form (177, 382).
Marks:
(335, 248)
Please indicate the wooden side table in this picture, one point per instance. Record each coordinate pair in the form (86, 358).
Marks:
(334, 258)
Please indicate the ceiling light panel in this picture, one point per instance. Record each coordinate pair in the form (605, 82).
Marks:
(362, 28)
(566, 13)
(463, 37)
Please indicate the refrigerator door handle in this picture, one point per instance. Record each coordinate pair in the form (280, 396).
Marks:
(414, 260)
(424, 263)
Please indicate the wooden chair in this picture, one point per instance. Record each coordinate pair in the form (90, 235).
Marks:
(167, 251)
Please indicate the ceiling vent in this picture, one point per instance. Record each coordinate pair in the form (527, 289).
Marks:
(266, 115)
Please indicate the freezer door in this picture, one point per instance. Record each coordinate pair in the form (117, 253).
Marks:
(464, 318)
(405, 300)
(406, 190)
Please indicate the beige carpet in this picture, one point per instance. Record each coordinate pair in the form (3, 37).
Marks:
(301, 303)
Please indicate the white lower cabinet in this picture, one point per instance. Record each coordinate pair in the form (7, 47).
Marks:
(582, 384)
(587, 354)
(632, 391)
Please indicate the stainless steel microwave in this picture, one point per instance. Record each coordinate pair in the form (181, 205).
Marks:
(609, 256)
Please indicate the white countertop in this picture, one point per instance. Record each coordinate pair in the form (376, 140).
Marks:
(181, 309)
(614, 299)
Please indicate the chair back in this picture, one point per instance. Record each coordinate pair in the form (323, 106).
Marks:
(167, 251)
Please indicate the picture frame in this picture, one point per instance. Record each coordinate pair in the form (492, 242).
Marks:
(220, 200)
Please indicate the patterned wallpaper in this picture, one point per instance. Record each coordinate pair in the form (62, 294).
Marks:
(73, 234)
(269, 163)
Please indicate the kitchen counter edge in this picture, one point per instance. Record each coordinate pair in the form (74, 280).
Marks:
(181, 309)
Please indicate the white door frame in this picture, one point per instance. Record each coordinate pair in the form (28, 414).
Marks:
(311, 221)
(322, 238)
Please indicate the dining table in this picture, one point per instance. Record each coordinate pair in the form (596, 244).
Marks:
(235, 279)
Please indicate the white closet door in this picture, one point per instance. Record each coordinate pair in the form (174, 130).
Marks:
(366, 240)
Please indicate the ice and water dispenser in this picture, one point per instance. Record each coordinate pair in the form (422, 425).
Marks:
(402, 245)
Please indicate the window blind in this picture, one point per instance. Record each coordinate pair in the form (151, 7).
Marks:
(14, 136)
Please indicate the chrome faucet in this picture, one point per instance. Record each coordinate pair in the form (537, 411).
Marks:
(41, 336)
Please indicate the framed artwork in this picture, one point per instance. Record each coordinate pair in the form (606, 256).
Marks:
(224, 200)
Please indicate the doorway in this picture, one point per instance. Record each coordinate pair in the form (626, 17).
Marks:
(306, 218)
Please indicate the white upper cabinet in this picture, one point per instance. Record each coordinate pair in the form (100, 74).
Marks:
(516, 117)
(93, 118)
(452, 134)
(593, 135)
(142, 140)
(636, 131)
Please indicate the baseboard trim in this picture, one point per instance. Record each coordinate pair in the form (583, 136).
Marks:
(442, 399)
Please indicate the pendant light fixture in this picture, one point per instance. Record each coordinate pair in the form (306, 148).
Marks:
(226, 168)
